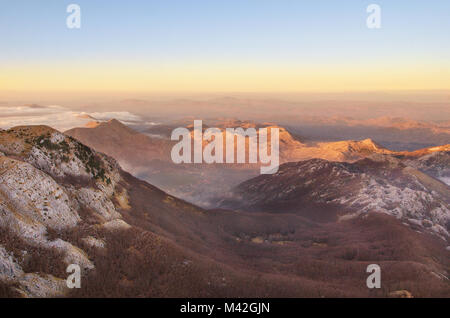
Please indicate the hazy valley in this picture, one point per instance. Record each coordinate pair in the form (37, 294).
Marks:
(309, 230)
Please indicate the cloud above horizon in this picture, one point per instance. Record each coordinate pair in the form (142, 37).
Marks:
(57, 116)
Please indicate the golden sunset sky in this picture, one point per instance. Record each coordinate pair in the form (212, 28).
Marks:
(221, 46)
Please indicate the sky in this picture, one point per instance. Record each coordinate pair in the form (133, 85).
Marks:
(224, 46)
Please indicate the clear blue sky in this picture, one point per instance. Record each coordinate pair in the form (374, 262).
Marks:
(224, 31)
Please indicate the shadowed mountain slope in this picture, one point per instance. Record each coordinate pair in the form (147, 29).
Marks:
(148, 157)
(63, 203)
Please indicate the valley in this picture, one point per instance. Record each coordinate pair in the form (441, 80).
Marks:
(309, 230)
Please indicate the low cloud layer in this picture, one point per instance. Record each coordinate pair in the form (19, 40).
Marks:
(57, 117)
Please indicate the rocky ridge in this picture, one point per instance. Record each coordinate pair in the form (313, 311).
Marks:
(46, 179)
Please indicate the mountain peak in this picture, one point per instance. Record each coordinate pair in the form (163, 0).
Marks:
(56, 153)
(31, 130)
(116, 124)
(114, 121)
(368, 141)
(371, 143)
(112, 125)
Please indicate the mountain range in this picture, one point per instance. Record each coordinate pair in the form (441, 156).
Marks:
(150, 159)
(308, 231)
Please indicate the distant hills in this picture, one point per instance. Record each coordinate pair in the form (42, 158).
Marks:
(147, 155)
(309, 231)
(380, 183)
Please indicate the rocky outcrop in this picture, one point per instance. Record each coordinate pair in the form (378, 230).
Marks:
(379, 184)
(46, 179)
